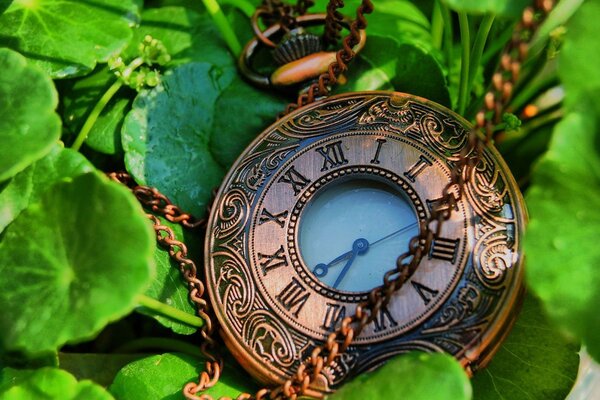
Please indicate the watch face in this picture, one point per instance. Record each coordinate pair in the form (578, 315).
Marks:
(350, 233)
(317, 210)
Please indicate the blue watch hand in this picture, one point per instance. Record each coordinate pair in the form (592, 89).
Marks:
(320, 270)
(399, 231)
(360, 246)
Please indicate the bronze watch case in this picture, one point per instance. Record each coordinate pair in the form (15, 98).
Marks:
(272, 310)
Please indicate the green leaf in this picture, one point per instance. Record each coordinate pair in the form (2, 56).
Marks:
(67, 37)
(506, 8)
(47, 384)
(187, 35)
(564, 202)
(412, 376)
(163, 377)
(581, 43)
(28, 124)
(71, 263)
(534, 362)
(27, 186)
(254, 111)
(166, 136)
(565, 197)
(401, 67)
(98, 367)
(168, 286)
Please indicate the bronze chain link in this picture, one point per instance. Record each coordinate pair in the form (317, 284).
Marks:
(495, 103)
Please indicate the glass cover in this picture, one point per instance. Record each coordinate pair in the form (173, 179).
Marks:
(352, 233)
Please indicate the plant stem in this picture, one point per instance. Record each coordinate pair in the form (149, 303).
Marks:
(226, 30)
(243, 5)
(497, 45)
(480, 41)
(448, 36)
(102, 102)
(465, 39)
(171, 312)
(145, 343)
(437, 25)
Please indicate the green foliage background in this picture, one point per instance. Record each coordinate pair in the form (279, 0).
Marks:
(91, 308)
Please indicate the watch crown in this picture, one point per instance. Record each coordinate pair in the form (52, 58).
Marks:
(295, 45)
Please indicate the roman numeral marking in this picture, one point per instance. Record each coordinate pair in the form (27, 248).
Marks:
(334, 315)
(416, 169)
(444, 249)
(293, 296)
(266, 216)
(380, 321)
(380, 143)
(333, 155)
(268, 262)
(427, 294)
(295, 179)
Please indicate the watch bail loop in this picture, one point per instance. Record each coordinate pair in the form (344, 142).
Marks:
(298, 70)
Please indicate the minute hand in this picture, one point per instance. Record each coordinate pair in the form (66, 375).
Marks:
(399, 231)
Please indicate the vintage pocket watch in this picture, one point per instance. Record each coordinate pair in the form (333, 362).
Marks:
(317, 209)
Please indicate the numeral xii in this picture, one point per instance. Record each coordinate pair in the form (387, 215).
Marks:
(333, 155)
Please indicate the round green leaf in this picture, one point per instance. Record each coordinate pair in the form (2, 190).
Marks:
(71, 263)
(163, 377)
(98, 367)
(507, 8)
(168, 285)
(28, 124)
(67, 37)
(534, 362)
(400, 67)
(166, 136)
(581, 43)
(28, 185)
(412, 376)
(564, 202)
(254, 111)
(47, 384)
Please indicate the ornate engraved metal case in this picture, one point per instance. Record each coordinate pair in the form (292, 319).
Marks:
(272, 307)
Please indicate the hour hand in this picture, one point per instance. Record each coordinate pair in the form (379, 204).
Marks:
(320, 270)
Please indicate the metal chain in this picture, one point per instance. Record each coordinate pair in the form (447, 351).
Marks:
(495, 102)
(344, 56)
(490, 114)
(272, 12)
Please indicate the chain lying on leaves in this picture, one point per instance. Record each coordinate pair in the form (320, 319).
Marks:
(158, 203)
(495, 102)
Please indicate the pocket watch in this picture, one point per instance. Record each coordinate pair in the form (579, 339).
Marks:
(304, 235)
(315, 212)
